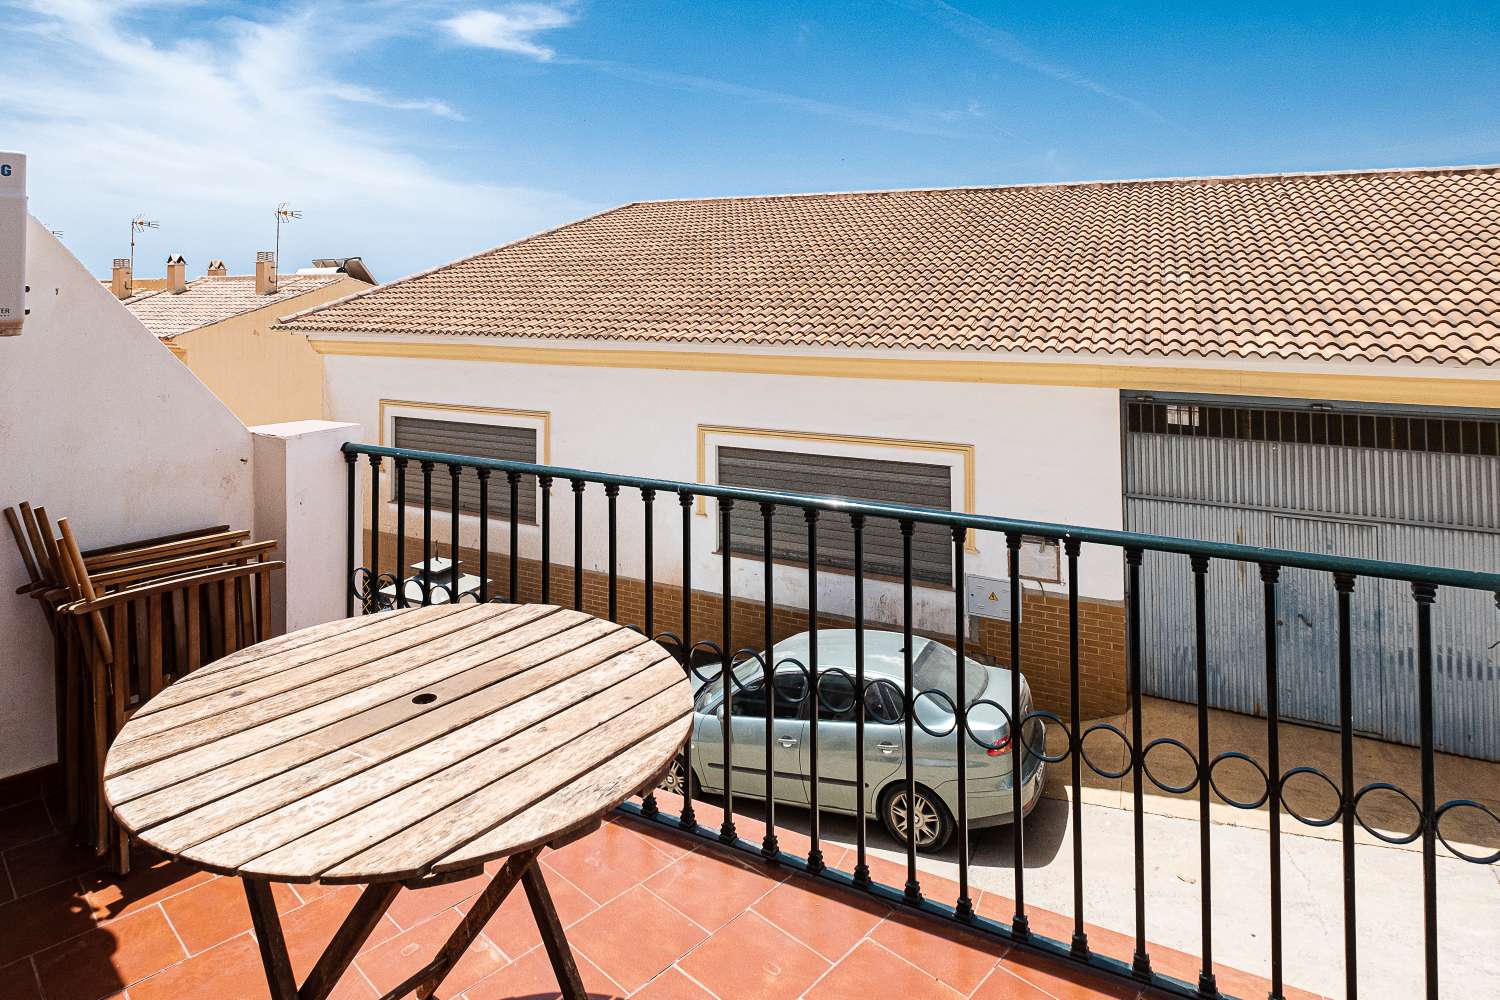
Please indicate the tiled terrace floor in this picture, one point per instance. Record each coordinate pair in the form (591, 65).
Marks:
(649, 913)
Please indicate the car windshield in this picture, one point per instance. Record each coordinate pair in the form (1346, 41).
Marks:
(933, 671)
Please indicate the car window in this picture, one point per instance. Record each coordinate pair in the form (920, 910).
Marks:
(835, 699)
(935, 670)
(882, 704)
(749, 700)
(790, 688)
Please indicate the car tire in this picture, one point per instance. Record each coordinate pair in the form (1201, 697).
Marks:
(934, 824)
(679, 779)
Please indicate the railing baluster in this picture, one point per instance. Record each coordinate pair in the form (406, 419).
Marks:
(1207, 984)
(963, 909)
(861, 863)
(578, 485)
(349, 459)
(908, 682)
(1020, 926)
(401, 601)
(484, 535)
(1425, 594)
(1270, 574)
(372, 598)
(612, 494)
(544, 483)
(648, 501)
(1140, 963)
(726, 669)
(514, 590)
(814, 691)
(455, 509)
(426, 533)
(687, 820)
(1343, 584)
(769, 845)
(1080, 945)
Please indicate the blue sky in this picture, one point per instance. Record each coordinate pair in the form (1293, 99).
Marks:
(416, 132)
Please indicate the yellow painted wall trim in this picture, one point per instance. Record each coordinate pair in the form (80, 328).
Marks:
(964, 453)
(545, 416)
(1376, 388)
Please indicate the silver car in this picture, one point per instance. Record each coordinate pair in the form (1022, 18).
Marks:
(988, 757)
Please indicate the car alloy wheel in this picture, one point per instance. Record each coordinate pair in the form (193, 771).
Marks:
(675, 780)
(933, 827)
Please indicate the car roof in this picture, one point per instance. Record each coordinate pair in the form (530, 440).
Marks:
(883, 650)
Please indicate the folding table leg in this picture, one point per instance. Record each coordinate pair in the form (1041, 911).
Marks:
(553, 937)
(272, 945)
(336, 958)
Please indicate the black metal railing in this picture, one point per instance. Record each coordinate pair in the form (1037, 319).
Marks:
(372, 590)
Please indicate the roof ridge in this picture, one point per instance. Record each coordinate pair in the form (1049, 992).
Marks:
(1476, 168)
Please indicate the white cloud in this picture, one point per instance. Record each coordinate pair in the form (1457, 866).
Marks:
(208, 131)
(510, 29)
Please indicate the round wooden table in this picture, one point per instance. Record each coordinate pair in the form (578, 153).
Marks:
(401, 749)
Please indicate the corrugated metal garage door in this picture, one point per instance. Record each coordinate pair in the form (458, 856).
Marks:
(1399, 485)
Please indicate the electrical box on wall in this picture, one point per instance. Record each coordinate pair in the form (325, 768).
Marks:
(12, 243)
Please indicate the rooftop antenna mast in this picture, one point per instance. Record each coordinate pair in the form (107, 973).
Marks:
(284, 213)
(139, 224)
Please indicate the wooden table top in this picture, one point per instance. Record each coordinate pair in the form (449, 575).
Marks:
(399, 745)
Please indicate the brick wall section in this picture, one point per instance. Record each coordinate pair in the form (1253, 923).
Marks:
(1044, 631)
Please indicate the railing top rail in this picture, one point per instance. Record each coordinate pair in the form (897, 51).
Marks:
(1378, 568)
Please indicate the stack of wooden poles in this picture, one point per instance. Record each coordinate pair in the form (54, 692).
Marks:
(126, 621)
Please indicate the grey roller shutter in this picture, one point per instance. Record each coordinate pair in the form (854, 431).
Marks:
(514, 444)
(913, 483)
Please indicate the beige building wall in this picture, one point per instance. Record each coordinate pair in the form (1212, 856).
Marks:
(264, 376)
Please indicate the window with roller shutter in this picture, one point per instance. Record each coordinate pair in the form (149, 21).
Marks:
(513, 444)
(915, 483)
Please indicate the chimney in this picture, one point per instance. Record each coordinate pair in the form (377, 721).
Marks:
(216, 268)
(265, 272)
(176, 274)
(119, 278)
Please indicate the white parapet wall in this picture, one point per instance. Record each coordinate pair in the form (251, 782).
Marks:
(301, 498)
(102, 425)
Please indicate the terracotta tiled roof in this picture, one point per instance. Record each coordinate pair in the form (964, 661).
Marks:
(213, 299)
(1389, 265)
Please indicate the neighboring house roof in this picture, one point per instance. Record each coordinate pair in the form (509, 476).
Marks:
(211, 300)
(1378, 265)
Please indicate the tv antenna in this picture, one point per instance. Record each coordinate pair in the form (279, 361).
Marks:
(139, 224)
(284, 213)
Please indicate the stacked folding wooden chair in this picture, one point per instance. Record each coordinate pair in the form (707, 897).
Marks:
(127, 621)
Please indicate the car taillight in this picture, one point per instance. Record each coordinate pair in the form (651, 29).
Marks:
(1001, 747)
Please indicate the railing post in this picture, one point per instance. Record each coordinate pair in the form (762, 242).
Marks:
(909, 698)
(1140, 963)
(1080, 944)
(861, 864)
(1020, 926)
(727, 833)
(648, 500)
(426, 533)
(514, 590)
(544, 483)
(770, 846)
(349, 459)
(963, 908)
(455, 513)
(1425, 594)
(484, 537)
(372, 596)
(400, 574)
(687, 819)
(1207, 983)
(578, 485)
(1344, 586)
(815, 693)
(611, 495)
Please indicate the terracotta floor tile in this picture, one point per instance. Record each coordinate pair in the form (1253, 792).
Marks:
(828, 919)
(389, 963)
(6, 892)
(46, 862)
(671, 842)
(513, 928)
(752, 959)
(107, 959)
(18, 982)
(634, 937)
(112, 896)
(959, 958)
(607, 861)
(213, 912)
(532, 977)
(24, 823)
(893, 873)
(232, 969)
(44, 918)
(310, 927)
(672, 985)
(871, 971)
(1056, 977)
(412, 906)
(1002, 984)
(711, 888)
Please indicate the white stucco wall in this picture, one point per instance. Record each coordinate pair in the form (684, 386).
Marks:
(102, 425)
(1041, 453)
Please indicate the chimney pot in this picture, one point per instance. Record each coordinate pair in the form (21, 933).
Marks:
(120, 278)
(265, 272)
(216, 268)
(176, 274)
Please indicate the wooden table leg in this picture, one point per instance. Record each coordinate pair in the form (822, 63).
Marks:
(336, 958)
(272, 945)
(553, 937)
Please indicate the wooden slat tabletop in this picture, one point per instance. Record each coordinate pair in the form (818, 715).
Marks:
(399, 745)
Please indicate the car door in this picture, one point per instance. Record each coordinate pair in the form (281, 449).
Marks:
(748, 741)
(838, 751)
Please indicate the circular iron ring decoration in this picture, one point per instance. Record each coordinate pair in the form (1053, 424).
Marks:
(1146, 765)
(1042, 753)
(823, 702)
(935, 695)
(895, 700)
(1437, 823)
(1386, 786)
(1328, 820)
(1265, 780)
(1084, 752)
(969, 728)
